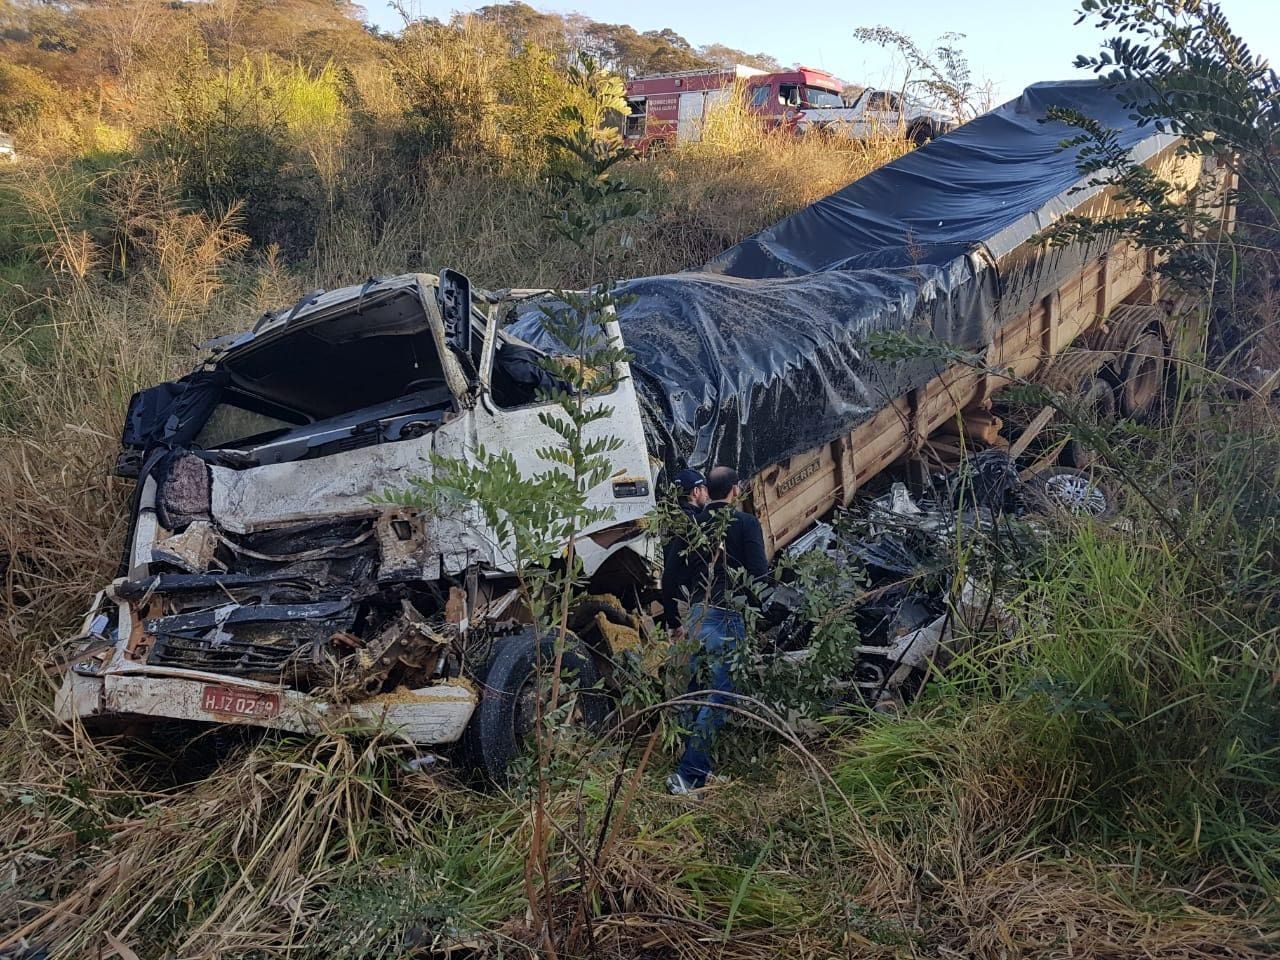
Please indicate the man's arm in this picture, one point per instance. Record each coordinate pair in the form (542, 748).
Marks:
(673, 575)
(751, 547)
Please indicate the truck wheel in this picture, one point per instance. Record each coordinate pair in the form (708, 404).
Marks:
(1134, 341)
(1063, 491)
(1141, 375)
(605, 629)
(510, 687)
(1076, 375)
(920, 134)
(1097, 398)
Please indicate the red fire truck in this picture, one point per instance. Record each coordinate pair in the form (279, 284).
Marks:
(670, 107)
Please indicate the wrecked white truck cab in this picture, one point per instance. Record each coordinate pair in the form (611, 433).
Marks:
(263, 582)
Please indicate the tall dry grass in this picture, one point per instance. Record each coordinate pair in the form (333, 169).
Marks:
(739, 179)
(101, 845)
(67, 382)
(702, 197)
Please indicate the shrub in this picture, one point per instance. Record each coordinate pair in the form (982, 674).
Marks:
(262, 133)
(24, 95)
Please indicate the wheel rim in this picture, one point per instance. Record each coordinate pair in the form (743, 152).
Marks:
(1077, 495)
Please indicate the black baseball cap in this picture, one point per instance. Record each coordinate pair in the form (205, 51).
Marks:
(689, 479)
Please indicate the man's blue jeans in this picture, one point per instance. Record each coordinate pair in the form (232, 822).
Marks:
(717, 632)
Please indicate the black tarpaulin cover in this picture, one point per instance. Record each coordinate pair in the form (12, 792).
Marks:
(760, 354)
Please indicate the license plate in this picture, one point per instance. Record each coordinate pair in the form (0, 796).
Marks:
(233, 702)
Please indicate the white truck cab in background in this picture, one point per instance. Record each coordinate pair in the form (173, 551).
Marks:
(878, 112)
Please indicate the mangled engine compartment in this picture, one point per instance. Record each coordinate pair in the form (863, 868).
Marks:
(277, 574)
(300, 606)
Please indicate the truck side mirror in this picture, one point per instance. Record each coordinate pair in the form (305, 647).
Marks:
(454, 298)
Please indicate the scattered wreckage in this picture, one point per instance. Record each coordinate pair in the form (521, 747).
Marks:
(264, 583)
(896, 561)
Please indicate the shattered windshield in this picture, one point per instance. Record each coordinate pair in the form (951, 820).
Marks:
(362, 358)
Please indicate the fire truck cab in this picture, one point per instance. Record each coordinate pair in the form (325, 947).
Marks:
(671, 107)
(780, 96)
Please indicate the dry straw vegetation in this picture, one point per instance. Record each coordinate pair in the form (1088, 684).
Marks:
(1103, 781)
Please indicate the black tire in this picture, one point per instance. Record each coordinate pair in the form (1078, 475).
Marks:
(1142, 376)
(583, 615)
(1097, 400)
(920, 133)
(583, 624)
(502, 721)
(1062, 491)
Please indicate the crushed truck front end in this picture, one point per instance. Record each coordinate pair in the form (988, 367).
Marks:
(266, 582)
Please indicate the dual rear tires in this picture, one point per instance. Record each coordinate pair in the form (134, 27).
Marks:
(1119, 373)
(1133, 352)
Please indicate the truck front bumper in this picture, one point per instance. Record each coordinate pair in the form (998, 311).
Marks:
(434, 714)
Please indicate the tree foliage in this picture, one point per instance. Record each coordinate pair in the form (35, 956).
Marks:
(256, 133)
(24, 94)
(217, 90)
(723, 56)
(1150, 209)
(1184, 69)
(941, 74)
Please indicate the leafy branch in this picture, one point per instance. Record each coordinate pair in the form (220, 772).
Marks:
(944, 73)
(538, 519)
(1183, 69)
(1153, 212)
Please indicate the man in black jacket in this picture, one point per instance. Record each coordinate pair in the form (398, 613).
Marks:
(692, 487)
(733, 542)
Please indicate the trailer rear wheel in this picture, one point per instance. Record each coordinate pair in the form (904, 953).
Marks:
(1075, 375)
(517, 676)
(1141, 375)
(1098, 401)
(1134, 343)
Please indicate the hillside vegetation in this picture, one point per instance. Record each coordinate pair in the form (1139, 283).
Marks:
(1100, 778)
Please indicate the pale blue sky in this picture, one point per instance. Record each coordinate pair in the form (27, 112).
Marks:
(1011, 42)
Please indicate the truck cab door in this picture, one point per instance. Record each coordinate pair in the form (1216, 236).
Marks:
(518, 428)
(894, 110)
(872, 118)
(788, 102)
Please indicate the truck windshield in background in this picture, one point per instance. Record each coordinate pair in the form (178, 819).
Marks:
(819, 97)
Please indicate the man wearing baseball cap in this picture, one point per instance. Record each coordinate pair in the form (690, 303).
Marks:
(691, 487)
(714, 622)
